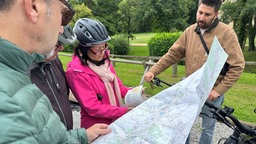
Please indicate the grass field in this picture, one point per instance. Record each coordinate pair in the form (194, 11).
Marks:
(139, 51)
(242, 96)
(142, 38)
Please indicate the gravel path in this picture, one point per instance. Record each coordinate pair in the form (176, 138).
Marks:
(221, 130)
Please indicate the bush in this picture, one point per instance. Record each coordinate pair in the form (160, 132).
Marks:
(69, 48)
(161, 42)
(119, 45)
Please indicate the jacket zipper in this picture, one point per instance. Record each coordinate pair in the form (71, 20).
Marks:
(45, 76)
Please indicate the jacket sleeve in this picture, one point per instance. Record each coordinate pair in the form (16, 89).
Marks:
(82, 85)
(79, 134)
(18, 125)
(174, 54)
(235, 59)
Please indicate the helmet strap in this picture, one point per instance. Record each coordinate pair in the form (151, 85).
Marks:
(98, 63)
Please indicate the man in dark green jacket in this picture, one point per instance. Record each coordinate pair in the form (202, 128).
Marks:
(28, 27)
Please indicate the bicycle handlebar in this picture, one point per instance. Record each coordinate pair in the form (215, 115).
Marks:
(221, 113)
(158, 81)
(227, 112)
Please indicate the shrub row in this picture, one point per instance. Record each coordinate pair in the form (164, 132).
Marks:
(161, 42)
(158, 45)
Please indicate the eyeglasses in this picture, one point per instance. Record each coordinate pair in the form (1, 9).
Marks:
(67, 14)
(99, 50)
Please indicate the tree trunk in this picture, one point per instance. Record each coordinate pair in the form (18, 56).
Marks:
(241, 32)
(251, 34)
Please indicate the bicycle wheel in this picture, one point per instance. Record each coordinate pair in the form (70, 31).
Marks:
(251, 141)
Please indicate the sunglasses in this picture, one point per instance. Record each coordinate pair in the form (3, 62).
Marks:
(99, 50)
(68, 14)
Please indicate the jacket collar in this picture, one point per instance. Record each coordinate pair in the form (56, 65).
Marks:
(77, 66)
(211, 27)
(16, 58)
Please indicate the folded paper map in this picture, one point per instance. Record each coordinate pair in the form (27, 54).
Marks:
(135, 96)
(167, 117)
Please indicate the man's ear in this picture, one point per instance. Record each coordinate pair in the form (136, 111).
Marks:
(216, 15)
(31, 8)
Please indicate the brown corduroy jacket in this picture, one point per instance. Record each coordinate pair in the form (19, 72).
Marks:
(190, 47)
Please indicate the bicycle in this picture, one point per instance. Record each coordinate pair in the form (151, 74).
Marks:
(242, 133)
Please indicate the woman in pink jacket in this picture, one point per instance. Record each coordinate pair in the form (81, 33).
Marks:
(92, 78)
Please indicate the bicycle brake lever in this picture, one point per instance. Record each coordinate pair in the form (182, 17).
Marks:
(228, 110)
(157, 82)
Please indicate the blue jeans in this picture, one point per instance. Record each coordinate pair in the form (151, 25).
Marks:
(208, 123)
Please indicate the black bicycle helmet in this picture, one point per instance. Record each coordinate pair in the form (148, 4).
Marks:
(68, 36)
(90, 32)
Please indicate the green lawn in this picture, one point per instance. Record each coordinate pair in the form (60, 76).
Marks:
(142, 38)
(250, 56)
(139, 51)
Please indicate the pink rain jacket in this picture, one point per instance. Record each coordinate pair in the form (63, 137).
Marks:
(86, 85)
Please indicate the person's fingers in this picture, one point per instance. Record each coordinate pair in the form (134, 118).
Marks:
(102, 126)
(148, 76)
(104, 129)
(96, 130)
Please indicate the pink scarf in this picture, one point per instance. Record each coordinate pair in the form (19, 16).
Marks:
(108, 77)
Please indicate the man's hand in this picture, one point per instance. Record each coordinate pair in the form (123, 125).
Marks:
(148, 76)
(213, 95)
(96, 130)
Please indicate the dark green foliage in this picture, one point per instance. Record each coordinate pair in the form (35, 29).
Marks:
(163, 15)
(119, 45)
(192, 12)
(161, 42)
(69, 48)
(111, 47)
(127, 10)
(242, 13)
(107, 13)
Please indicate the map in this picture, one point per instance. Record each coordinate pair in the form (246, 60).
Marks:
(167, 117)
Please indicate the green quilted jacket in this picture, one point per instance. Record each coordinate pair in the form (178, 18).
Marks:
(26, 115)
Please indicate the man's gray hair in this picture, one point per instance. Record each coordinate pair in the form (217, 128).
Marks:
(6, 4)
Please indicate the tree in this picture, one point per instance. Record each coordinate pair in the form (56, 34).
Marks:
(127, 9)
(242, 13)
(192, 12)
(164, 15)
(82, 11)
(250, 13)
(107, 13)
